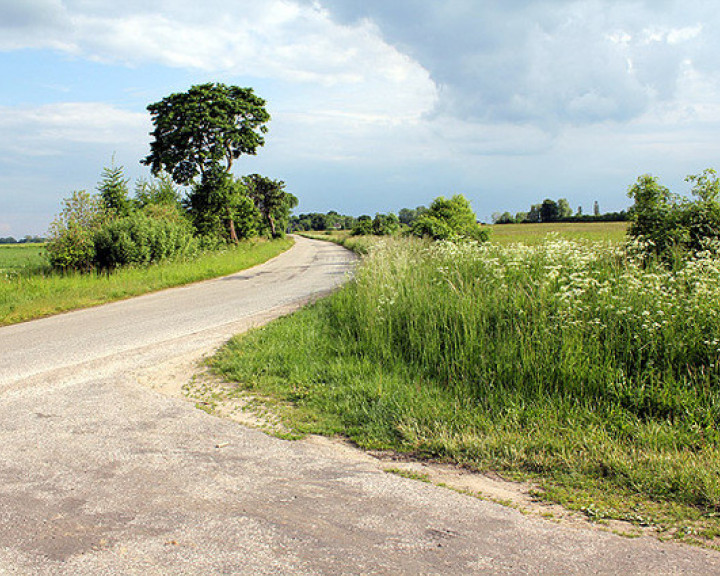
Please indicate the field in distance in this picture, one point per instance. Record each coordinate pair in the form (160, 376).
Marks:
(536, 233)
(525, 233)
(22, 257)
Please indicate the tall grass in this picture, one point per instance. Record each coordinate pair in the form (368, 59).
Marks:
(571, 360)
(33, 293)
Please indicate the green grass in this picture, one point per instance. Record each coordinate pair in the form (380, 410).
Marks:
(22, 258)
(29, 291)
(537, 233)
(568, 363)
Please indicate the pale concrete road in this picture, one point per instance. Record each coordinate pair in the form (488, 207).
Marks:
(101, 476)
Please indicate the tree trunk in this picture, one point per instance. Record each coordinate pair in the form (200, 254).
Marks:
(272, 225)
(233, 234)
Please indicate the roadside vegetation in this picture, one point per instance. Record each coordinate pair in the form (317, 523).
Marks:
(193, 220)
(28, 295)
(591, 368)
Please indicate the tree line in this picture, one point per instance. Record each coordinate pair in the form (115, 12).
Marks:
(197, 136)
(551, 211)
(27, 239)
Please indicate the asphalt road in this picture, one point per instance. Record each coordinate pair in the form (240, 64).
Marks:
(100, 475)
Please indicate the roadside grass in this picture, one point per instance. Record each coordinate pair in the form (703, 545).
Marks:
(28, 292)
(567, 363)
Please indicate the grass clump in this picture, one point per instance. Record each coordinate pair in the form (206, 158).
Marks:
(573, 362)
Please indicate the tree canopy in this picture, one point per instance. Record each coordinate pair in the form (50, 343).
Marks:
(272, 201)
(210, 125)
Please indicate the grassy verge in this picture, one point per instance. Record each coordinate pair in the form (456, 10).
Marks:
(24, 296)
(568, 363)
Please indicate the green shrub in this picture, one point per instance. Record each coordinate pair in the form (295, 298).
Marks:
(70, 244)
(449, 218)
(673, 227)
(73, 248)
(363, 226)
(141, 239)
(385, 224)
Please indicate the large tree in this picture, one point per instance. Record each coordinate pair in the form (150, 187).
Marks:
(204, 130)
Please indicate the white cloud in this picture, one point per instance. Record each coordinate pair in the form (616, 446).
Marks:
(50, 129)
(276, 39)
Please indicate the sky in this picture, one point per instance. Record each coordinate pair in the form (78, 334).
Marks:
(376, 104)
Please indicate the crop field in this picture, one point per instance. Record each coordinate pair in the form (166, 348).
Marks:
(521, 233)
(536, 233)
(21, 258)
(572, 363)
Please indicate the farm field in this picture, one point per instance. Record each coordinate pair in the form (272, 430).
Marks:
(524, 233)
(569, 363)
(28, 290)
(24, 258)
(536, 233)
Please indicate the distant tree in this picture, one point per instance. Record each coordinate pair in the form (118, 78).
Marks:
(549, 211)
(272, 201)
(385, 224)
(204, 130)
(579, 211)
(363, 226)
(113, 188)
(406, 216)
(564, 210)
(449, 217)
(503, 218)
(534, 214)
(596, 208)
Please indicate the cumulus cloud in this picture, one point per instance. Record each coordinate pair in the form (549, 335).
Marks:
(276, 39)
(546, 61)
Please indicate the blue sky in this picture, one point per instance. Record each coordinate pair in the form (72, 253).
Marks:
(376, 104)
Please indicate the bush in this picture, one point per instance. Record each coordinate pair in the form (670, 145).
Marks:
(72, 248)
(673, 227)
(363, 226)
(141, 239)
(385, 224)
(449, 218)
(70, 243)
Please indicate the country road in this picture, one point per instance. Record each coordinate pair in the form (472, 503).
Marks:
(100, 475)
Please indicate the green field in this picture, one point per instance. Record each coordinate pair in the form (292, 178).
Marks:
(536, 233)
(571, 363)
(28, 290)
(524, 233)
(22, 258)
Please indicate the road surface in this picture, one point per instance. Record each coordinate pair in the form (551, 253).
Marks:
(101, 475)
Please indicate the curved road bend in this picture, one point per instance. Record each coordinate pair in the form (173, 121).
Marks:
(102, 476)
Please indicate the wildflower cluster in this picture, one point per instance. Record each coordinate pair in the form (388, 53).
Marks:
(587, 320)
